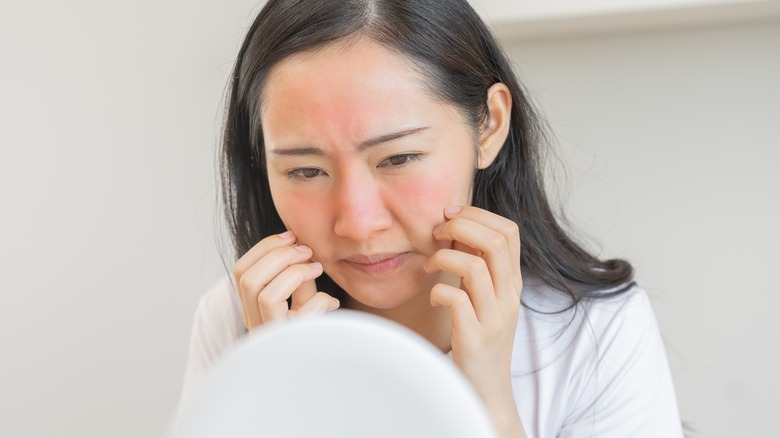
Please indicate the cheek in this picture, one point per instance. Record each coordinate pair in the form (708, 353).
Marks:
(432, 192)
(421, 203)
(304, 215)
(438, 185)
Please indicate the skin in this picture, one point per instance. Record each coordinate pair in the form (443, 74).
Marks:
(372, 177)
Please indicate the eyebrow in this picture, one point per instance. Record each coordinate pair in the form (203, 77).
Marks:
(366, 144)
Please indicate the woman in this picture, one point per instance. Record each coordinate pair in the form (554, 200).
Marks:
(381, 156)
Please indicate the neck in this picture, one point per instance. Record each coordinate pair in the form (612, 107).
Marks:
(432, 323)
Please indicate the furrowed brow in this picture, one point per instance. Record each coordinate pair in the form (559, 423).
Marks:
(299, 151)
(388, 137)
(362, 146)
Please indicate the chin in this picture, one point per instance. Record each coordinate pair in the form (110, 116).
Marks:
(385, 296)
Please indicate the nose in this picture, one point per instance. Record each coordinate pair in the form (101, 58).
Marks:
(361, 210)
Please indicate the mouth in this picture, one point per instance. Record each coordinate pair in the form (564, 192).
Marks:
(376, 263)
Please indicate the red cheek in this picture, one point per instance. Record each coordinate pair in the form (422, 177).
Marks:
(303, 215)
(428, 196)
(420, 204)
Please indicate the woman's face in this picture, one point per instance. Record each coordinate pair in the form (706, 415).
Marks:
(362, 161)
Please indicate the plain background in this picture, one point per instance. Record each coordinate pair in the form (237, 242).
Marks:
(110, 117)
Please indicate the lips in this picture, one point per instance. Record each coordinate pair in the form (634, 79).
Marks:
(376, 263)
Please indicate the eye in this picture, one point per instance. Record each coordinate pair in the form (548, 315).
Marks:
(399, 160)
(304, 173)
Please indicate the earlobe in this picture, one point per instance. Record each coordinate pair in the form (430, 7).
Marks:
(493, 137)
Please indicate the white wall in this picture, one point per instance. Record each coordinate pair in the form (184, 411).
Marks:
(546, 10)
(110, 116)
(672, 143)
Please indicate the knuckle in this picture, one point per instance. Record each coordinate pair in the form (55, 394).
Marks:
(511, 229)
(497, 242)
(265, 305)
(461, 300)
(238, 271)
(262, 301)
(476, 265)
(245, 285)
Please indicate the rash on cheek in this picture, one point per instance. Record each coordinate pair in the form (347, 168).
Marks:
(305, 217)
(423, 202)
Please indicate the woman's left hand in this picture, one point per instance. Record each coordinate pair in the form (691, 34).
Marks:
(485, 254)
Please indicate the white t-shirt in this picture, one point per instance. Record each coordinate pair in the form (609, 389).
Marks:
(596, 370)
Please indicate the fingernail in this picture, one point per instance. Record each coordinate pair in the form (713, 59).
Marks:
(453, 209)
(437, 228)
(303, 248)
(286, 235)
(315, 265)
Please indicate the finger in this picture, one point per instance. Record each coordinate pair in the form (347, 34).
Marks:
(273, 262)
(259, 275)
(250, 313)
(303, 294)
(491, 244)
(458, 303)
(251, 257)
(476, 279)
(319, 303)
(272, 301)
(505, 226)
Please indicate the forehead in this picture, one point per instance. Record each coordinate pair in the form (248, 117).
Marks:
(344, 92)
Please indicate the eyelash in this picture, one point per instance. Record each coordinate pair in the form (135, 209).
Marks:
(408, 158)
(301, 173)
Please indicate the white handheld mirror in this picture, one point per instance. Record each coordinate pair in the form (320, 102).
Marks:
(343, 374)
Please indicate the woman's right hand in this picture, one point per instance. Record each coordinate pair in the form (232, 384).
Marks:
(271, 272)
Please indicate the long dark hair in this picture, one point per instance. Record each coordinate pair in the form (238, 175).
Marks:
(450, 45)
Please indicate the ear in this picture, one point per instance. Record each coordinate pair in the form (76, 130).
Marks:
(496, 130)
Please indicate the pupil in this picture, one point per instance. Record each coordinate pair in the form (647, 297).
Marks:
(398, 160)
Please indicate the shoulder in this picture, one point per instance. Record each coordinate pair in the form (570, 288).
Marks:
(547, 310)
(610, 329)
(217, 326)
(603, 359)
(220, 307)
(218, 320)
